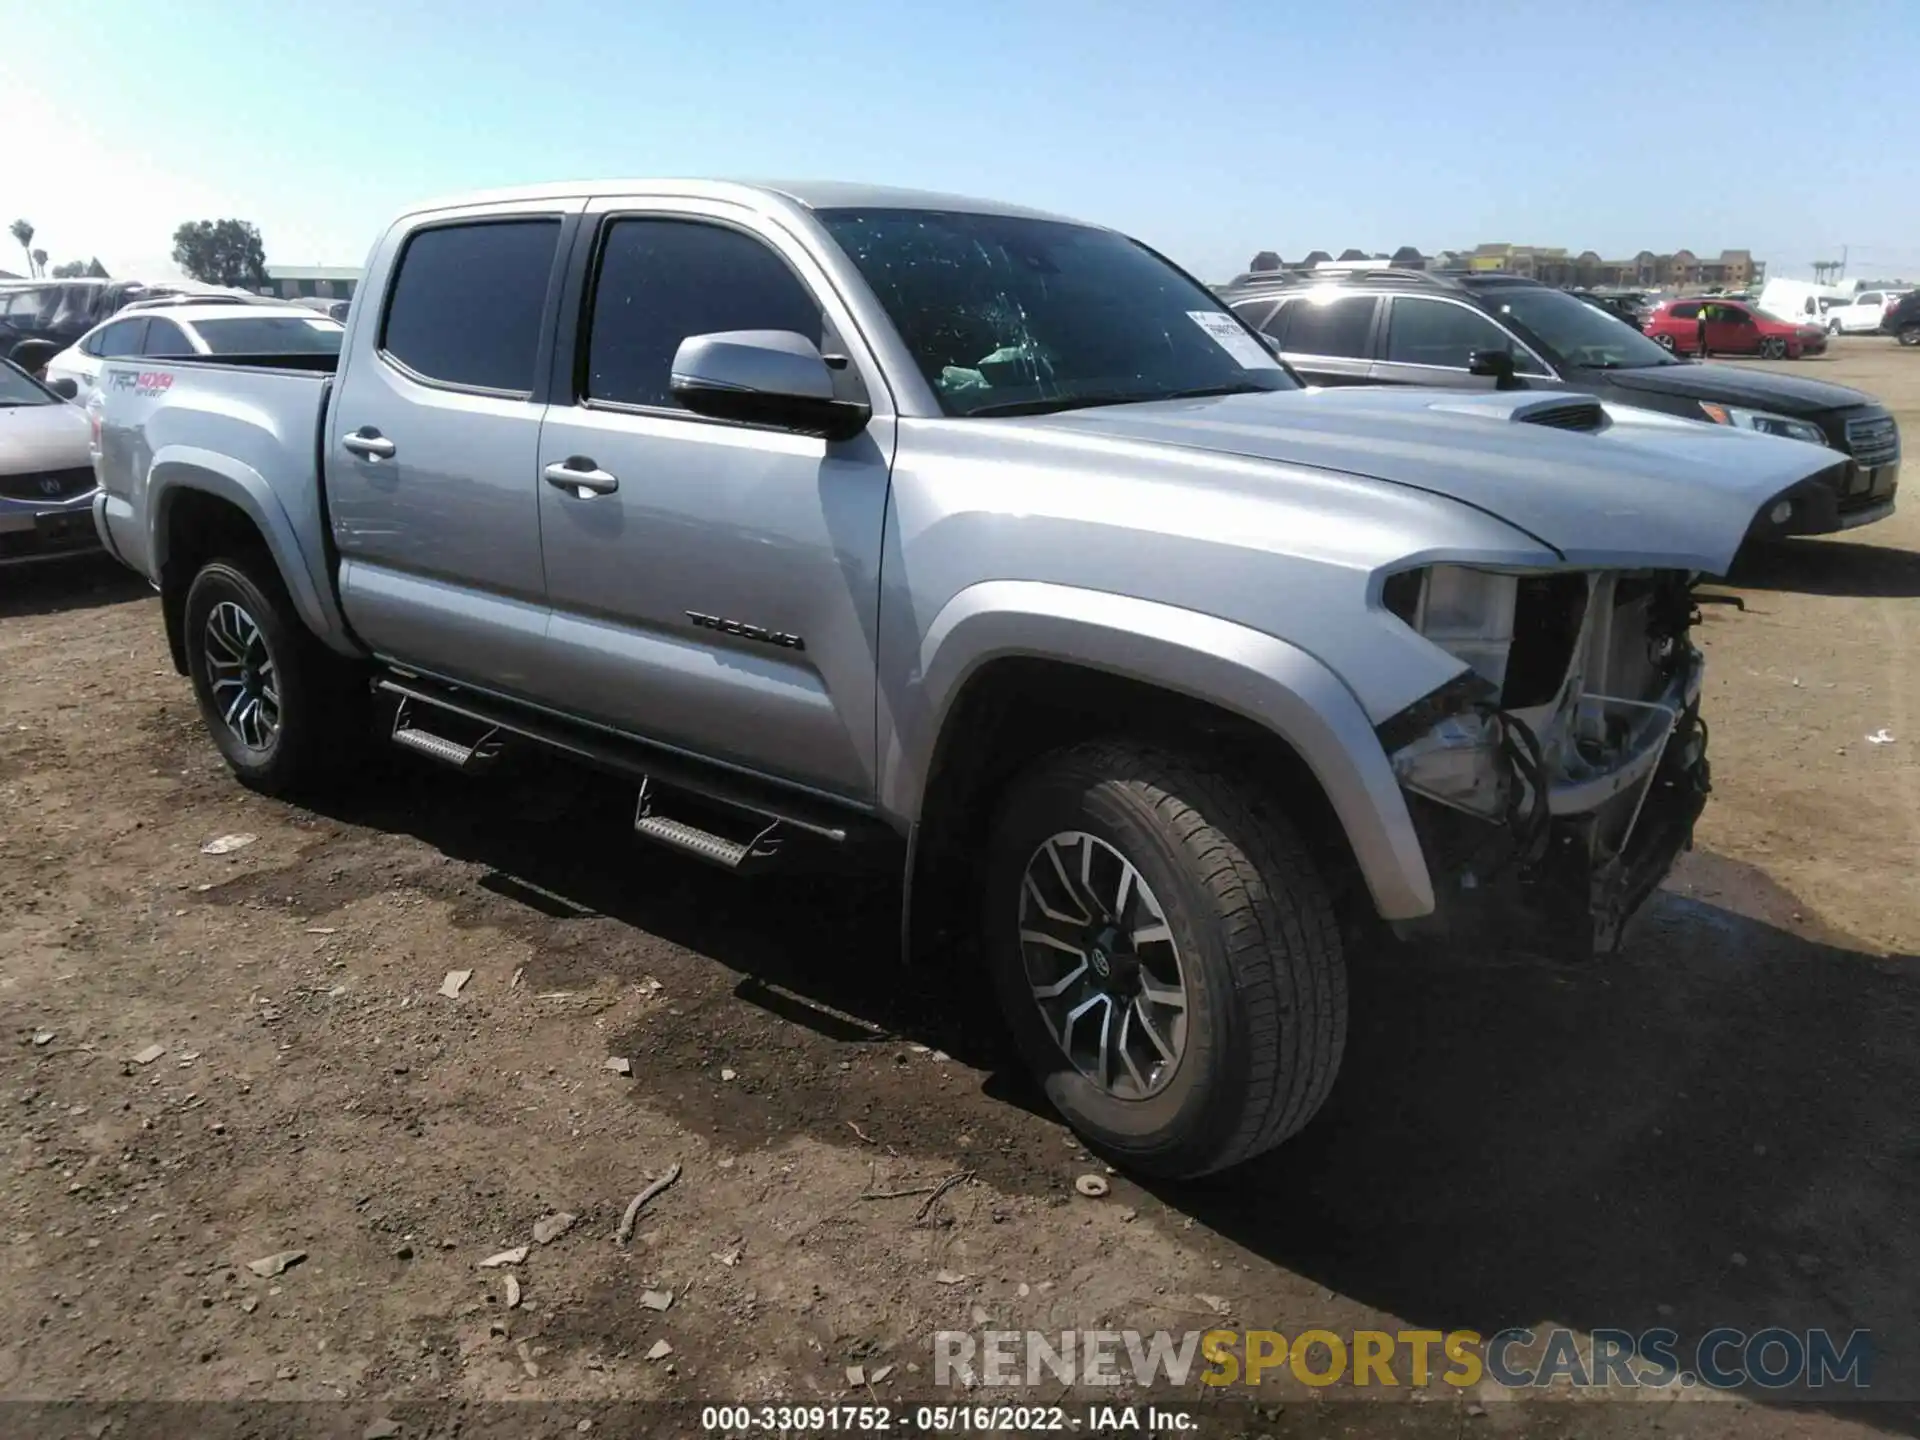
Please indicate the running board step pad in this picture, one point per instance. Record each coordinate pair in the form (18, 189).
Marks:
(476, 756)
(681, 836)
(701, 843)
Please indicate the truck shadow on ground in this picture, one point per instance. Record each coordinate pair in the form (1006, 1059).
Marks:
(53, 586)
(1843, 568)
(1715, 1129)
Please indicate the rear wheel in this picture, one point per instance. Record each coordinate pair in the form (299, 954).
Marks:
(284, 711)
(1166, 956)
(1908, 335)
(1664, 341)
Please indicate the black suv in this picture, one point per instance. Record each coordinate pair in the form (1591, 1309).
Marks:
(61, 311)
(1418, 327)
(1901, 319)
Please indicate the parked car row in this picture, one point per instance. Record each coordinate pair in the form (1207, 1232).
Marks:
(183, 328)
(61, 311)
(1409, 327)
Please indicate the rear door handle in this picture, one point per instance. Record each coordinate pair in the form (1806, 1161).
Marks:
(579, 474)
(369, 443)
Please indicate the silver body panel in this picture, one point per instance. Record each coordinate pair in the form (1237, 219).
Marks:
(1230, 549)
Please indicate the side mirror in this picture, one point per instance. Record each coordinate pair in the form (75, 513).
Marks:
(1495, 365)
(66, 388)
(763, 377)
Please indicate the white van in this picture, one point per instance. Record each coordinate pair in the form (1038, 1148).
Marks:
(1801, 300)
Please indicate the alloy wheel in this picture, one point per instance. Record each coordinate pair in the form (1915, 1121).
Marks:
(241, 676)
(1102, 965)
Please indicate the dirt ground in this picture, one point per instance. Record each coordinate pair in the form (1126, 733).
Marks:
(1717, 1128)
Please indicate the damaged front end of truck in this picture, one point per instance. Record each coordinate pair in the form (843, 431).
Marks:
(1554, 781)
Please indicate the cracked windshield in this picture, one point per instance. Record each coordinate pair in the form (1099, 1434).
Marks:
(1008, 315)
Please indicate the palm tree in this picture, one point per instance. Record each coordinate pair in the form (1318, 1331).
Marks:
(40, 261)
(23, 232)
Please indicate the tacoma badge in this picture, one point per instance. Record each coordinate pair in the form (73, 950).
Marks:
(747, 632)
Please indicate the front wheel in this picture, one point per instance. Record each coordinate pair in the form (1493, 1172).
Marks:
(1166, 956)
(1773, 348)
(284, 711)
(1833, 327)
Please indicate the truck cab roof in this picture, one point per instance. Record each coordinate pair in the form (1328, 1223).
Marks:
(807, 194)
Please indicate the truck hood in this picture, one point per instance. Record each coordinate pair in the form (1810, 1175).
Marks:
(1643, 491)
(1737, 385)
(42, 437)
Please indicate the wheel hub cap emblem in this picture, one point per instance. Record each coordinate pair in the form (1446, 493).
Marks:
(1101, 965)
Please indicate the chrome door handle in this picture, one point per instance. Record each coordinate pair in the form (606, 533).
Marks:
(373, 447)
(580, 474)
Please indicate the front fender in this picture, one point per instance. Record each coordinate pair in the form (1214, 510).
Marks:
(177, 469)
(1255, 675)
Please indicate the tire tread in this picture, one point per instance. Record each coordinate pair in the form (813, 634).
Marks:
(1280, 933)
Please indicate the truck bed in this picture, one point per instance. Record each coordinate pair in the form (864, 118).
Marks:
(245, 428)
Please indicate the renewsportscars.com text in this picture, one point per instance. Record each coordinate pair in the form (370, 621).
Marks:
(1519, 1359)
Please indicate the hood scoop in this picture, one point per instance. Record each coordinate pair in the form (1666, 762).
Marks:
(1561, 412)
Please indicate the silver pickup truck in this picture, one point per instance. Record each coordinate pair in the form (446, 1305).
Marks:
(981, 541)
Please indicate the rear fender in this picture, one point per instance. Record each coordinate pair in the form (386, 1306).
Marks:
(1257, 676)
(180, 469)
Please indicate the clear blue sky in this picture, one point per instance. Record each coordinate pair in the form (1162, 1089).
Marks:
(1211, 130)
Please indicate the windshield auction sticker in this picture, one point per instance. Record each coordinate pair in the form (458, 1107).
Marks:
(1231, 336)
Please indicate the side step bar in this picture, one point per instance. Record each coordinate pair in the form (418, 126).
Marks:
(700, 842)
(678, 794)
(470, 758)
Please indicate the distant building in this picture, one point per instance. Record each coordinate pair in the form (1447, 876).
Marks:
(324, 282)
(1554, 265)
(1407, 257)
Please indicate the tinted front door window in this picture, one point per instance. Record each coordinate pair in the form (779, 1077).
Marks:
(663, 280)
(1435, 332)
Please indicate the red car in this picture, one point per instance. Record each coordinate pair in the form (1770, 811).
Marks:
(1733, 328)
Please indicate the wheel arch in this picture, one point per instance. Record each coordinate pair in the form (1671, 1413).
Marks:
(1010, 669)
(201, 504)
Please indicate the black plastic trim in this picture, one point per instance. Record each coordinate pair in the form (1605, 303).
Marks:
(1464, 691)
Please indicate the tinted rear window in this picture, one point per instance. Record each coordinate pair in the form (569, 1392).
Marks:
(271, 335)
(468, 301)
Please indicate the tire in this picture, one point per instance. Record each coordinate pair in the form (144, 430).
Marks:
(1773, 348)
(1833, 327)
(1250, 942)
(1664, 341)
(1908, 335)
(244, 638)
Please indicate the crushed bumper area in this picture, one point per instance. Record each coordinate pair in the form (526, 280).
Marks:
(1562, 890)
